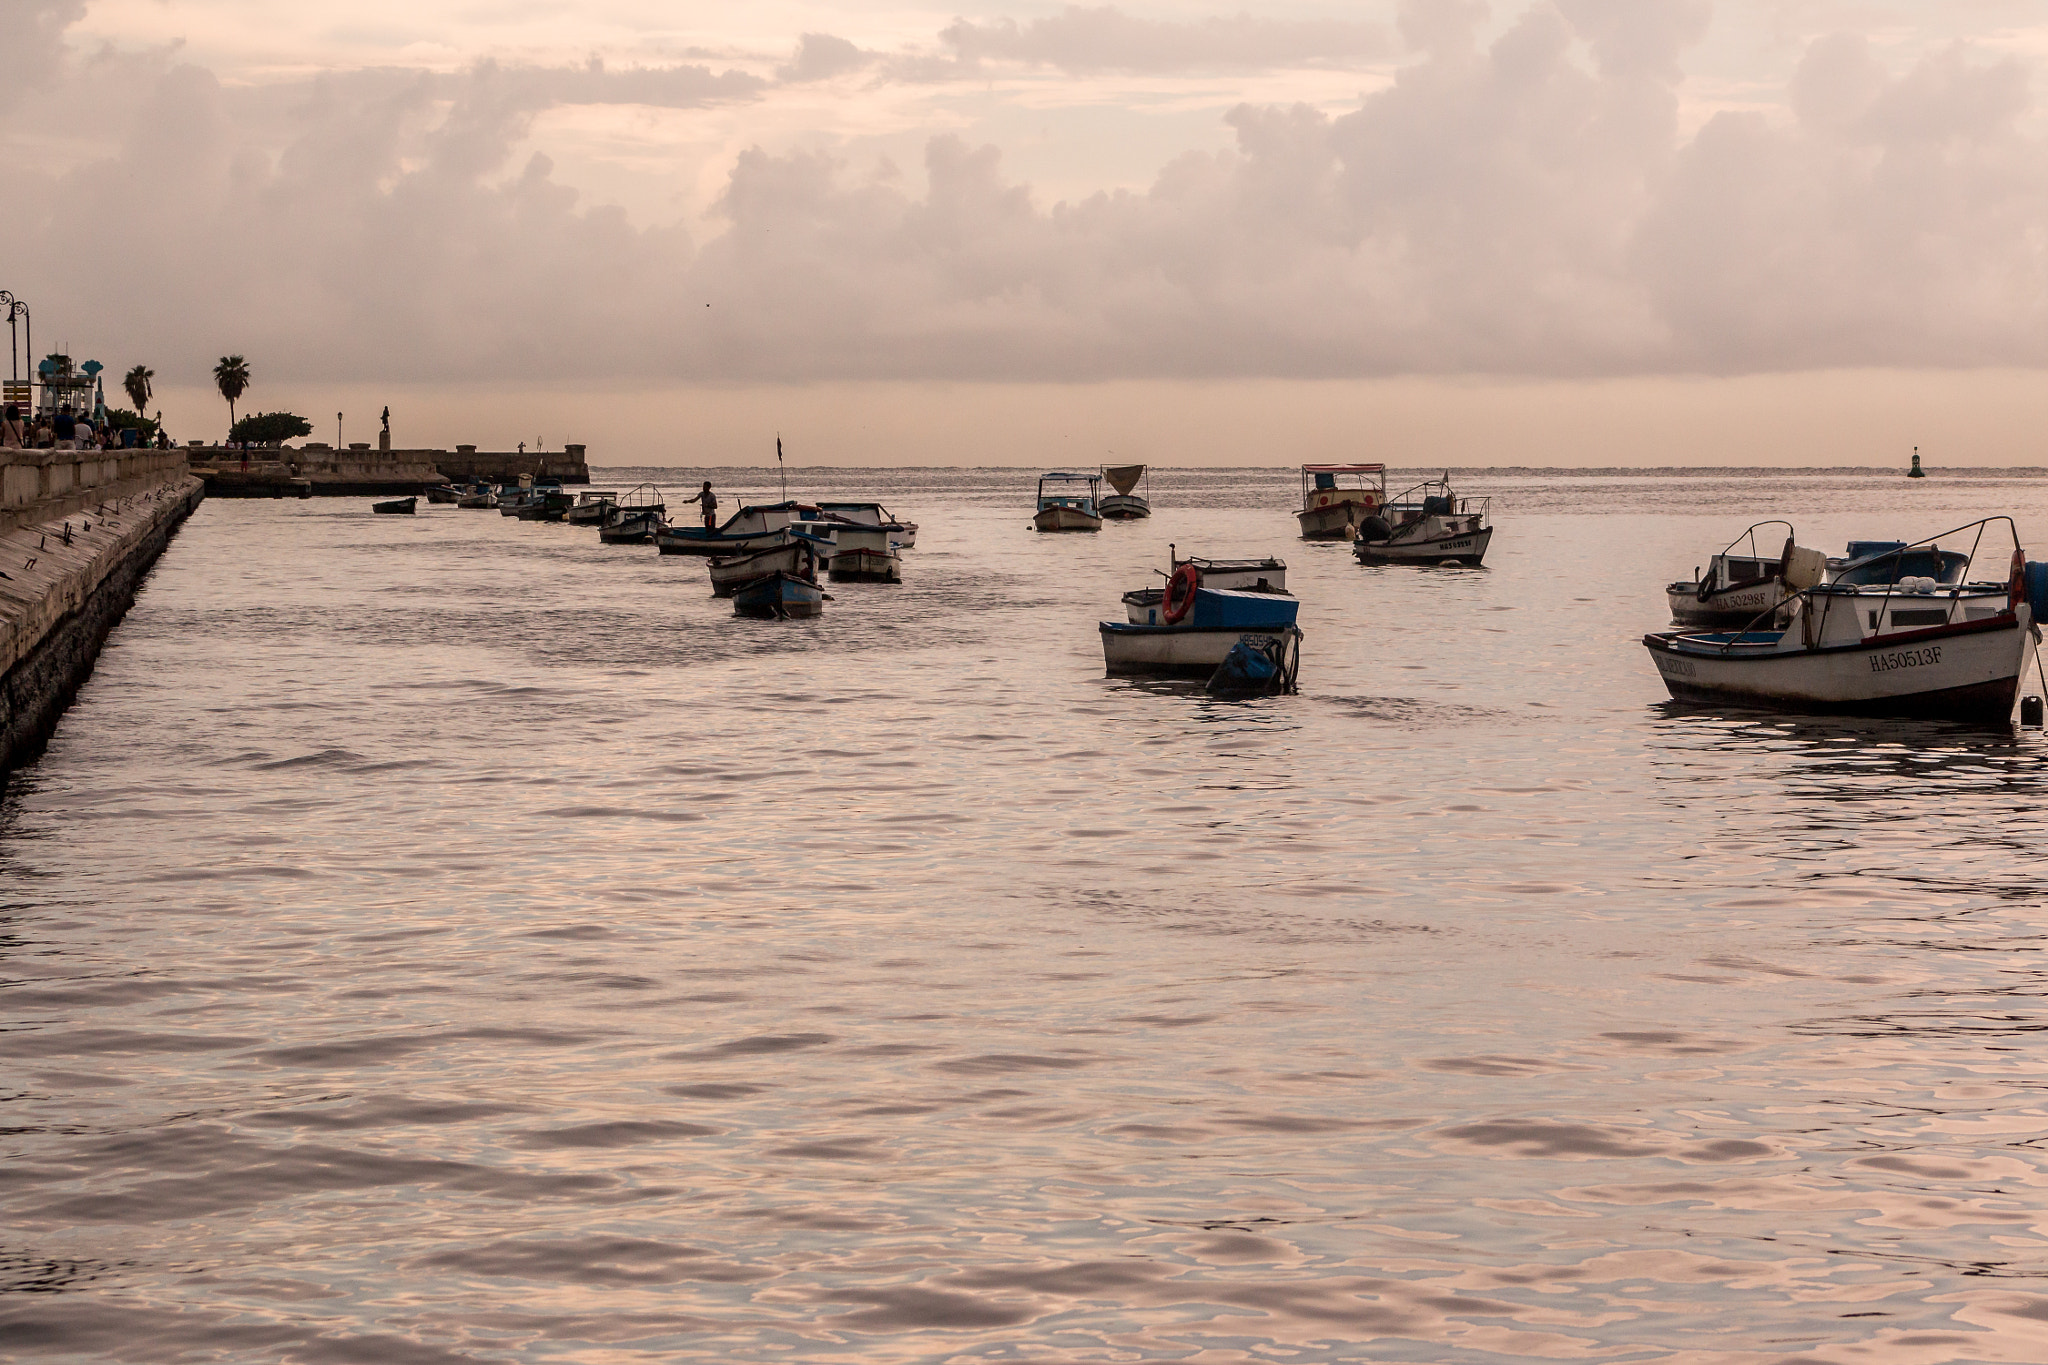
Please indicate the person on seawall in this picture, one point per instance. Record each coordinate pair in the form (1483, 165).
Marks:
(10, 429)
(708, 500)
(65, 429)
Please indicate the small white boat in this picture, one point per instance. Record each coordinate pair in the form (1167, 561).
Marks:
(902, 534)
(1190, 627)
(1337, 498)
(1126, 504)
(478, 494)
(795, 555)
(1741, 584)
(592, 508)
(1428, 524)
(1069, 502)
(631, 526)
(863, 554)
(1912, 647)
(750, 528)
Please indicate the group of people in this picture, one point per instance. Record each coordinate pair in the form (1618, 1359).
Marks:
(66, 430)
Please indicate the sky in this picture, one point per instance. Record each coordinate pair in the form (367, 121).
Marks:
(1599, 232)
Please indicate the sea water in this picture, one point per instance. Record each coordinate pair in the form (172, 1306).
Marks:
(446, 938)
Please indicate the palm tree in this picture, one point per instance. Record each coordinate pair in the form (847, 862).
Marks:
(137, 384)
(231, 376)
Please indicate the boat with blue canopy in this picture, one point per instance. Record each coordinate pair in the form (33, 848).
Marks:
(1068, 502)
(750, 528)
(1190, 628)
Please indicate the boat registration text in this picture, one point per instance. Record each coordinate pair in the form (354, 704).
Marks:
(1905, 658)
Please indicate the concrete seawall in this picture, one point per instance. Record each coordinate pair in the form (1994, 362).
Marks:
(70, 565)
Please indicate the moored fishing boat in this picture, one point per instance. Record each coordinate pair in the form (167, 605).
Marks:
(1910, 645)
(1268, 575)
(637, 527)
(478, 494)
(444, 493)
(1068, 502)
(1335, 498)
(750, 528)
(780, 595)
(1193, 627)
(1126, 504)
(1428, 524)
(902, 534)
(1740, 584)
(863, 554)
(402, 506)
(547, 504)
(796, 554)
(592, 508)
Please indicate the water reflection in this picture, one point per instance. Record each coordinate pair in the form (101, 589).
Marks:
(543, 966)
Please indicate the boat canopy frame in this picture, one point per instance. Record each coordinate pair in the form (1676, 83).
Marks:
(1830, 591)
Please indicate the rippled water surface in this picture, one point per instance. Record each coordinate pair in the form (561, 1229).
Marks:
(445, 938)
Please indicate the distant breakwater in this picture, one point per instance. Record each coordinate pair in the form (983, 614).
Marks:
(315, 469)
(79, 531)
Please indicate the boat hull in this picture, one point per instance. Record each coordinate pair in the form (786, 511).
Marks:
(688, 540)
(637, 530)
(478, 500)
(587, 514)
(1737, 606)
(778, 596)
(1968, 672)
(1171, 651)
(1125, 507)
(443, 495)
(865, 566)
(1468, 547)
(398, 506)
(1336, 519)
(728, 575)
(1065, 519)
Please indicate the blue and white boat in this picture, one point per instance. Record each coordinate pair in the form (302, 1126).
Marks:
(797, 554)
(1069, 502)
(750, 528)
(779, 596)
(1912, 645)
(1190, 629)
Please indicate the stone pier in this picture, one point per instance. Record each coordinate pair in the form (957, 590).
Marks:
(79, 531)
(315, 469)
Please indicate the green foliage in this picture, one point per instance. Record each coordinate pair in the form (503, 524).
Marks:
(269, 428)
(137, 384)
(119, 419)
(231, 377)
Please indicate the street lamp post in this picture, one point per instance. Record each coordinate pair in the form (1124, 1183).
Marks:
(17, 309)
(337, 431)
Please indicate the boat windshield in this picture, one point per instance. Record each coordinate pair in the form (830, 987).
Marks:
(1921, 561)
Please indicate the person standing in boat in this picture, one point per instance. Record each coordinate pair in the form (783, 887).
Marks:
(708, 500)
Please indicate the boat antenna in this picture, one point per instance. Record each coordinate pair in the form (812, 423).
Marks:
(780, 468)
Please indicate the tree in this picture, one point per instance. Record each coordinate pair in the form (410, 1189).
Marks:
(269, 428)
(231, 376)
(118, 418)
(137, 384)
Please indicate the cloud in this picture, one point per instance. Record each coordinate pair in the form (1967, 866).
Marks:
(821, 56)
(32, 36)
(1106, 39)
(1531, 207)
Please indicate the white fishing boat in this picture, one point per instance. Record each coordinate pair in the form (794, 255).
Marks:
(593, 508)
(864, 554)
(1126, 504)
(902, 534)
(478, 494)
(1428, 524)
(795, 555)
(1192, 626)
(1913, 646)
(1069, 502)
(1741, 583)
(1336, 498)
(750, 528)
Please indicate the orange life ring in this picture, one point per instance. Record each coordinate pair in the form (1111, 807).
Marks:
(1185, 580)
(1323, 501)
(2016, 583)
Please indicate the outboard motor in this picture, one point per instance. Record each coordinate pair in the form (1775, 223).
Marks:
(1375, 529)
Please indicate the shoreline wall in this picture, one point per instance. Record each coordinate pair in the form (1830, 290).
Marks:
(70, 566)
